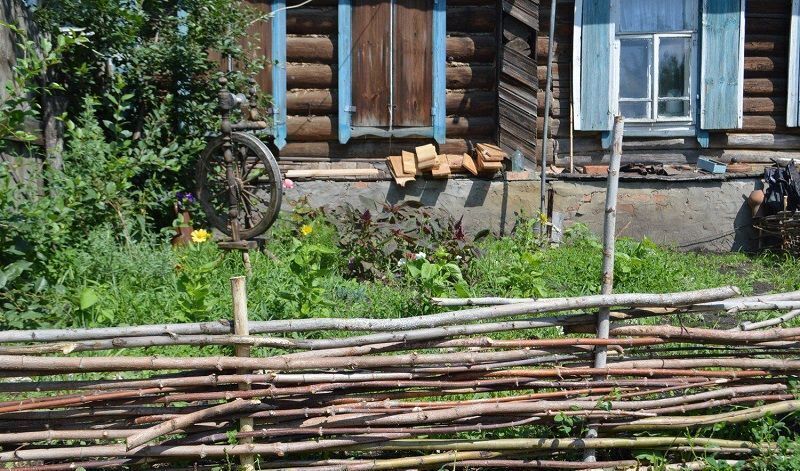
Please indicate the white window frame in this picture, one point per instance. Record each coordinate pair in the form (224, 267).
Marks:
(666, 126)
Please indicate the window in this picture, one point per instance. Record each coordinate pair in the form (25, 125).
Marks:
(655, 64)
(671, 67)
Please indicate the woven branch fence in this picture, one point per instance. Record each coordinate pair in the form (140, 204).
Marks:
(428, 392)
(441, 391)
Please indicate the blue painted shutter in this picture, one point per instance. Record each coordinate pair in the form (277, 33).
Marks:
(722, 64)
(439, 63)
(279, 72)
(344, 49)
(793, 101)
(593, 20)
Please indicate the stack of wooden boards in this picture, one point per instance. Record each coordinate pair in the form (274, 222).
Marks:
(405, 168)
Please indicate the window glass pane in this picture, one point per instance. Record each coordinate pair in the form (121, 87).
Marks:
(651, 15)
(673, 108)
(634, 68)
(673, 60)
(635, 109)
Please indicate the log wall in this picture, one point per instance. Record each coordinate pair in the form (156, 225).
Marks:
(764, 134)
(311, 55)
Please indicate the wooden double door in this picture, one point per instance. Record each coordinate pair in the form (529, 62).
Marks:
(392, 84)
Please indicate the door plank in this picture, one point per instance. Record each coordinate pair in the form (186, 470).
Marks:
(370, 59)
(413, 96)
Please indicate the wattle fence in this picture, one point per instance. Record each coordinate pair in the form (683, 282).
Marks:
(440, 390)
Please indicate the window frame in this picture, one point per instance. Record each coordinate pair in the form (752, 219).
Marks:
(666, 126)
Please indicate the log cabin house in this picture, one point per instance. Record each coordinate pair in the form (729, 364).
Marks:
(355, 81)
(712, 78)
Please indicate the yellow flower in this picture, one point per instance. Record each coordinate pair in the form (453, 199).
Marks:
(306, 229)
(200, 236)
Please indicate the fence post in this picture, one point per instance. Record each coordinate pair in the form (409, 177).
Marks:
(241, 327)
(609, 240)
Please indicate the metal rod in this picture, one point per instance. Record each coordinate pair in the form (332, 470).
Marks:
(609, 239)
(547, 102)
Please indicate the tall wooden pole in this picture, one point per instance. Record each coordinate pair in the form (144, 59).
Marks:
(609, 241)
(241, 327)
(547, 103)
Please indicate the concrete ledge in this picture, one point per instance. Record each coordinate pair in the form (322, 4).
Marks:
(707, 215)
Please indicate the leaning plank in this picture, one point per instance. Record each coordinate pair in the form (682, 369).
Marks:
(333, 172)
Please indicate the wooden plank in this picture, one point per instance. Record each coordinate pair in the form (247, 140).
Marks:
(595, 67)
(344, 69)
(518, 66)
(722, 64)
(413, 65)
(793, 96)
(333, 172)
(439, 76)
(526, 11)
(279, 73)
(370, 58)
(471, 19)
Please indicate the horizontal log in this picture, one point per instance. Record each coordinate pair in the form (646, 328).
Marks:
(480, 76)
(324, 128)
(457, 102)
(765, 86)
(322, 20)
(376, 149)
(322, 49)
(311, 49)
(756, 105)
(757, 141)
(764, 65)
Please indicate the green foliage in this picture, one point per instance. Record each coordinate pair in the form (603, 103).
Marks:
(376, 240)
(510, 265)
(160, 49)
(436, 276)
(25, 89)
(310, 262)
(193, 283)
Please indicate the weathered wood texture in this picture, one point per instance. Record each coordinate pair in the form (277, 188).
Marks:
(517, 79)
(370, 56)
(766, 46)
(258, 45)
(413, 64)
(471, 75)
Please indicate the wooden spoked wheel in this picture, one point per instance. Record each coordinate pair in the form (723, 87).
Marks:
(256, 184)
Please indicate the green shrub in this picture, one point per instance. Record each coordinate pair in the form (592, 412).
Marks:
(376, 240)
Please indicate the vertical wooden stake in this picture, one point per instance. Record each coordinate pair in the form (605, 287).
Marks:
(248, 268)
(609, 240)
(241, 327)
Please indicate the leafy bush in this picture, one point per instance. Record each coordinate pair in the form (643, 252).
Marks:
(376, 240)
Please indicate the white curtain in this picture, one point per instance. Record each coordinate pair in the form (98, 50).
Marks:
(651, 15)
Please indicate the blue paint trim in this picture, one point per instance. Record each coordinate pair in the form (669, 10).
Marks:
(703, 138)
(439, 75)
(721, 67)
(597, 42)
(606, 139)
(344, 70)
(279, 72)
